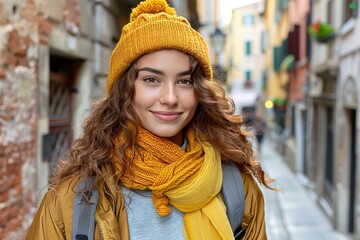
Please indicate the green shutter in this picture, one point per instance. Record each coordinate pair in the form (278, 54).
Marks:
(248, 75)
(277, 61)
(248, 48)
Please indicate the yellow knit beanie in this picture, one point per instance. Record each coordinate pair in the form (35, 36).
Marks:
(154, 26)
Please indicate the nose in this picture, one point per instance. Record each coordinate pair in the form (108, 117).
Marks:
(169, 96)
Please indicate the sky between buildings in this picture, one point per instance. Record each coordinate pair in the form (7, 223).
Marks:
(226, 7)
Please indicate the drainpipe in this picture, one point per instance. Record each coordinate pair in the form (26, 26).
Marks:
(97, 47)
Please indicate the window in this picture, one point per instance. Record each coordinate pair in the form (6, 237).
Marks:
(329, 157)
(351, 9)
(277, 58)
(264, 41)
(248, 48)
(293, 119)
(279, 53)
(278, 12)
(248, 75)
(248, 20)
(264, 80)
(248, 80)
(330, 11)
(283, 5)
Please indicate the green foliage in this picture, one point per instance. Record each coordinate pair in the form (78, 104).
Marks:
(288, 63)
(352, 5)
(321, 32)
(279, 101)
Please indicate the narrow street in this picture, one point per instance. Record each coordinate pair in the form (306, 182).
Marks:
(291, 214)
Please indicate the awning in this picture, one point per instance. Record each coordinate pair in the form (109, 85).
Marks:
(244, 98)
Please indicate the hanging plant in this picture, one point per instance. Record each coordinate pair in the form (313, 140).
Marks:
(288, 63)
(321, 32)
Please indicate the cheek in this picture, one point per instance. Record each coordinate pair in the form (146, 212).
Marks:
(142, 96)
(190, 100)
(146, 93)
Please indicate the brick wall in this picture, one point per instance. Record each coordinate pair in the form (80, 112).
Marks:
(24, 24)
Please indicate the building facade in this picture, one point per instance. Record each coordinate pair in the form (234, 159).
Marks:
(321, 88)
(276, 28)
(244, 57)
(296, 64)
(325, 155)
(347, 110)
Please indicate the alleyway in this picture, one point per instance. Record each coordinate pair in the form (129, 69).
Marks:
(291, 214)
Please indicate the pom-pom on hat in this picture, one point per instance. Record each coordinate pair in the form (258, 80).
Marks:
(154, 26)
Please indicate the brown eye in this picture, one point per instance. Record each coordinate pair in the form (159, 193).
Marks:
(150, 80)
(185, 81)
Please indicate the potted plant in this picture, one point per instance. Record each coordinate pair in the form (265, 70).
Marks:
(321, 32)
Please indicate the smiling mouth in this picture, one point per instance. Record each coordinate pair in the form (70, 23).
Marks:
(167, 117)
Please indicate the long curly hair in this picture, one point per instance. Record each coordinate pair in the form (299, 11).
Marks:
(214, 122)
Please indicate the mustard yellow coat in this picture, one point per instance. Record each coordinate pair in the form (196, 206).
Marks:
(54, 217)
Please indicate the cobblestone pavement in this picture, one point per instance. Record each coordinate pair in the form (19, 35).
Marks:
(291, 214)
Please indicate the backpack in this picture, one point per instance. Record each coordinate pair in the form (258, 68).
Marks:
(85, 203)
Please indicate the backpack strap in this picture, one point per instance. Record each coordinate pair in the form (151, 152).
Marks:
(85, 202)
(234, 197)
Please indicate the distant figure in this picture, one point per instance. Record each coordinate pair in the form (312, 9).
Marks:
(247, 114)
(260, 127)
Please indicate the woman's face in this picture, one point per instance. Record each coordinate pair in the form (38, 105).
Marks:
(165, 98)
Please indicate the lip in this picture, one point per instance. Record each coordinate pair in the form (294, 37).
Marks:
(167, 116)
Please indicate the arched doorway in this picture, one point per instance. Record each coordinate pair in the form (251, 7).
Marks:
(350, 159)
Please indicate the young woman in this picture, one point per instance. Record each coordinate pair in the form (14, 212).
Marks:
(156, 143)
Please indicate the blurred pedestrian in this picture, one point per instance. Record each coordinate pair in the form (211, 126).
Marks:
(260, 127)
(156, 143)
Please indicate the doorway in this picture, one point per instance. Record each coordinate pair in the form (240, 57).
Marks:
(329, 157)
(352, 164)
(59, 139)
(304, 145)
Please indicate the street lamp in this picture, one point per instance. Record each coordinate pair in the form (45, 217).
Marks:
(217, 41)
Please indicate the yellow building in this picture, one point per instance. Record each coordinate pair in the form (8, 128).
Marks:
(244, 60)
(276, 29)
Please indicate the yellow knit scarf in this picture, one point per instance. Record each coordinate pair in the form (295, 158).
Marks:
(190, 181)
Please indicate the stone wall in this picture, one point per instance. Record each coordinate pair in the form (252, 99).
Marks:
(24, 25)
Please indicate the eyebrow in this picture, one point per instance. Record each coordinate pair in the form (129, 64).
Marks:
(156, 71)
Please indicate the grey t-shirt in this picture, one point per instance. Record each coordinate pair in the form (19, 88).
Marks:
(145, 223)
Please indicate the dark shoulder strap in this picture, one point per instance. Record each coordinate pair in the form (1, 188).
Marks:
(234, 197)
(85, 202)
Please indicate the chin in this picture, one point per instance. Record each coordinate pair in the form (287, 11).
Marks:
(165, 134)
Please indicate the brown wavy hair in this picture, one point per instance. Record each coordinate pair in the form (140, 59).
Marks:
(214, 123)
